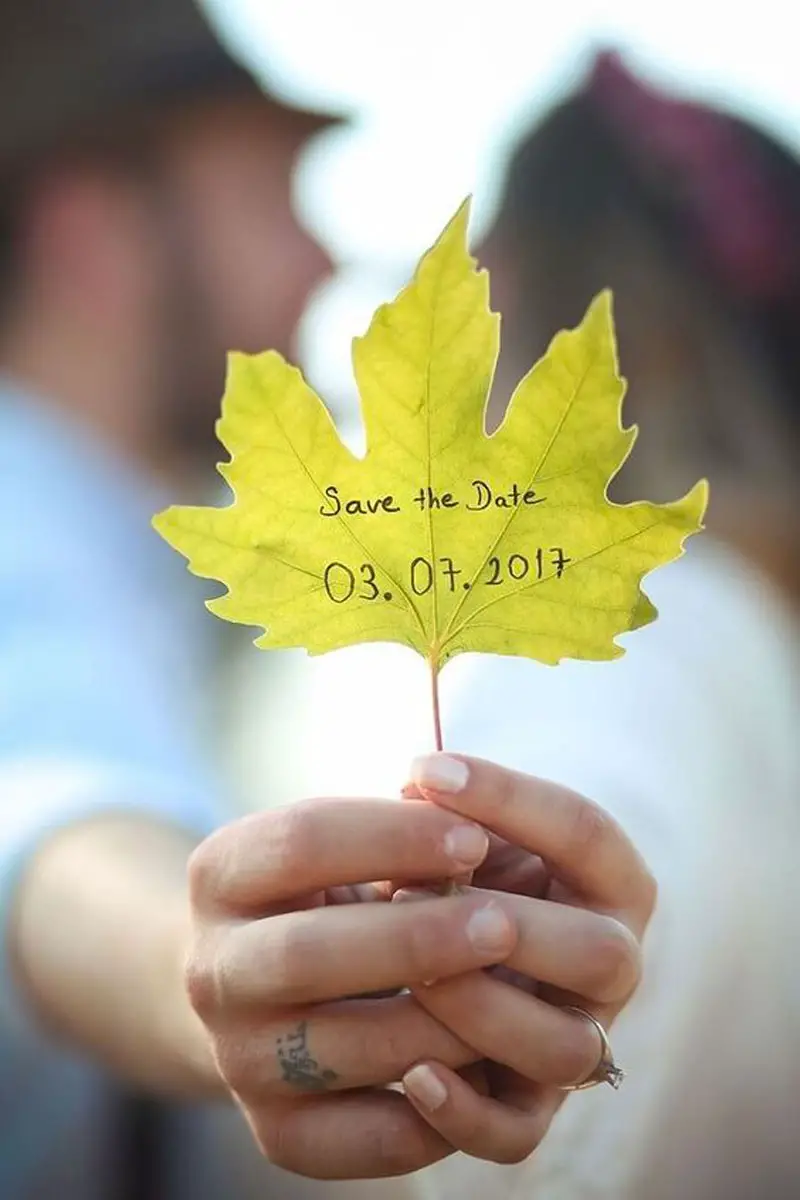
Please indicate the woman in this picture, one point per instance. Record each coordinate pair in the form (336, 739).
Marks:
(693, 218)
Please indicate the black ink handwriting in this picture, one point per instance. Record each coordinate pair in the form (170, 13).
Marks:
(356, 506)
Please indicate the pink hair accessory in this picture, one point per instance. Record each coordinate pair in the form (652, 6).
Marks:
(738, 218)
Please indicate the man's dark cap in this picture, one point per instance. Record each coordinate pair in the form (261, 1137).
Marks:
(70, 67)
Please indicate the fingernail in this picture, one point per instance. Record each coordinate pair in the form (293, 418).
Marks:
(489, 930)
(426, 1088)
(404, 895)
(440, 773)
(466, 845)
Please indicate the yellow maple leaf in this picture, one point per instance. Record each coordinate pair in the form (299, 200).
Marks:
(440, 537)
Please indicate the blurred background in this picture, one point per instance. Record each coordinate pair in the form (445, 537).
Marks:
(439, 93)
(138, 243)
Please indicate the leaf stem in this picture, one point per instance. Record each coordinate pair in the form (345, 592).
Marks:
(448, 887)
(437, 714)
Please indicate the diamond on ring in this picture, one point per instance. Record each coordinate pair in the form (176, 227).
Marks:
(606, 1070)
(614, 1076)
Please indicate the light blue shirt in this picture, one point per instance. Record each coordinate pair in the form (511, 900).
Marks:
(104, 652)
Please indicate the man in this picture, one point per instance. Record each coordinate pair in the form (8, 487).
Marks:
(146, 227)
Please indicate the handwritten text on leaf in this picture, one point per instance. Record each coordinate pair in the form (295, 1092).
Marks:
(440, 537)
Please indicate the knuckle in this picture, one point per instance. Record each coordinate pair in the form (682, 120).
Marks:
(525, 1141)
(398, 1145)
(384, 1049)
(588, 826)
(516, 1151)
(427, 946)
(649, 890)
(472, 1133)
(276, 1135)
(289, 1138)
(202, 984)
(614, 962)
(288, 976)
(415, 830)
(578, 1050)
(503, 784)
(294, 834)
(241, 1069)
(203, 872)
(214, 867)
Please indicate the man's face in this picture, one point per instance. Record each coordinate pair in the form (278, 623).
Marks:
(238, 269)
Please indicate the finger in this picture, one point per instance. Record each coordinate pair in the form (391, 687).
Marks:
(411, 792)
(363, 1135)
(579, 951)
(326, 953)
(579, 841)
(477, 1125)
(507, 868)
(335, 1047)
(502, 1023)
(268, 857)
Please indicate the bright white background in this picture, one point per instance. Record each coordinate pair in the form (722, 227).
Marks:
(438, 89)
